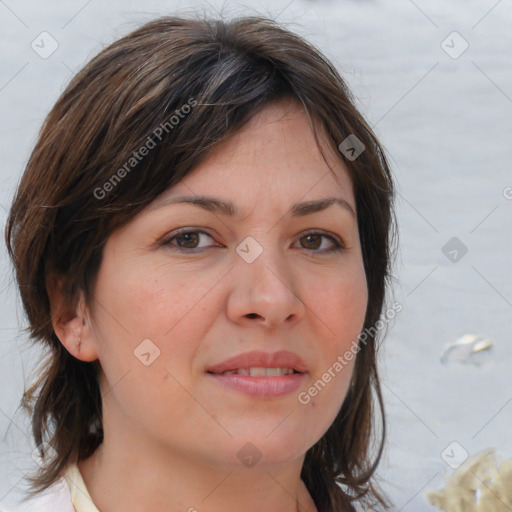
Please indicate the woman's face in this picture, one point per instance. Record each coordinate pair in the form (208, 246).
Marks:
(270, 276)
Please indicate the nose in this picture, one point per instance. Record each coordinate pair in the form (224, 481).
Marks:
(265, 292)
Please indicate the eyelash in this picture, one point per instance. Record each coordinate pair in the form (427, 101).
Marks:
(167, 241)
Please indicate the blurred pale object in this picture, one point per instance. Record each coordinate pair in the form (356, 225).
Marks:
(469, 348)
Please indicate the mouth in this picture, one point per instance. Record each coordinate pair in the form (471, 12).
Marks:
(261, 374)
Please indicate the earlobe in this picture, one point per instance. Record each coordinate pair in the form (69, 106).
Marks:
(71, 323)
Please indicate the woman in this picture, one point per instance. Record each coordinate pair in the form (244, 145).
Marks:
(201, 239)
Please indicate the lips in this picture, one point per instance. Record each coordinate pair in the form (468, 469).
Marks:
(261, 364)
(261, 375)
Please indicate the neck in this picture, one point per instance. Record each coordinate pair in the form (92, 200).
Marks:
(152, 478)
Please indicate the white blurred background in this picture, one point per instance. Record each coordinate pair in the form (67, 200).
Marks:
(444, 113)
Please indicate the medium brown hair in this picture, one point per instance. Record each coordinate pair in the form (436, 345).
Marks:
(64, 210)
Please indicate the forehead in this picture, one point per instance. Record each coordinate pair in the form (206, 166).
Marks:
(273, 157)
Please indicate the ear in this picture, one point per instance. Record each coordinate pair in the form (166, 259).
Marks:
(71, 322)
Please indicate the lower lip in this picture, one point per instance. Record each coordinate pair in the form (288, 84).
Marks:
(264, 387)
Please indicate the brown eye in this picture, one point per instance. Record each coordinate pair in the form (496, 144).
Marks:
(313, 242)
(187, 240)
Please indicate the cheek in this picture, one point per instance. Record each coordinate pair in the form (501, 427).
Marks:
(340, 305)
(149, 300)
(148, 312)
(339, 302)
(136, 304)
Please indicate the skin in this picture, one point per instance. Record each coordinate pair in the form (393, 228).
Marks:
(177, 433)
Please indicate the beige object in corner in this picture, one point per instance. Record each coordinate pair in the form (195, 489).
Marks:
(478, 473)
(499, 497)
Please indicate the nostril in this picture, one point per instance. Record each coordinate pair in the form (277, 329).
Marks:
(252, 315)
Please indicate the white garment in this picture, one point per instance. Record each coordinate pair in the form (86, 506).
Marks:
(68, 494)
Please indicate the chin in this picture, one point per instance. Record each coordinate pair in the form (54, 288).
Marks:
(268, 450)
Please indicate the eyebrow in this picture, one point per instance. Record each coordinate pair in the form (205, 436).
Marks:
(225, 207)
